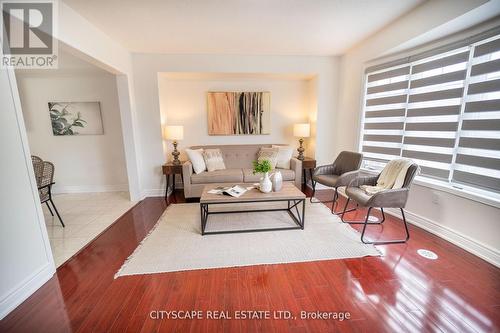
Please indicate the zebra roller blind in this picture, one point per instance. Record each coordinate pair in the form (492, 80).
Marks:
(442, 111)
(478, 152)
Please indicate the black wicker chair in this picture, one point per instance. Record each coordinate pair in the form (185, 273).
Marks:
(44, 175)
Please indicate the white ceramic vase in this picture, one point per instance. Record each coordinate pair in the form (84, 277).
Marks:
(277, 180)
(265, 183)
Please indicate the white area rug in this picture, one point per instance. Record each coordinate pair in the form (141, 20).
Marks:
(175, 243)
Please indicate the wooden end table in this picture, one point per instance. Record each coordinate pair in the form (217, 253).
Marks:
(169, 169)
(308, 164)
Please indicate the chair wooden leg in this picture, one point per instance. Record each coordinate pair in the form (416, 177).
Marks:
(396, 241)
(57, 213)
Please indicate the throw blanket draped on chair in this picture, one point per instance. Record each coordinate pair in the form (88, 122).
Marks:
(392, 177)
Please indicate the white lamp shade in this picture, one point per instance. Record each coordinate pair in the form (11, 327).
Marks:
(301, 130)
(173, 133)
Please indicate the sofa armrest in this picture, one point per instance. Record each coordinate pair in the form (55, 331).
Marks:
(187, 172)
(296, 166)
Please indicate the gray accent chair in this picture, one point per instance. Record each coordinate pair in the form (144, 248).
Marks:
(338, 174)
(390, 198)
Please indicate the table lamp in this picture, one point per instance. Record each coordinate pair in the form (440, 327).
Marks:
(301, 131)
(174, 133)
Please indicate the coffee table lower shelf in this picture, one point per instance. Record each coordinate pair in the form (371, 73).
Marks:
(293, 204)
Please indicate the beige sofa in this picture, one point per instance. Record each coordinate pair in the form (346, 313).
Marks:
(238, 160)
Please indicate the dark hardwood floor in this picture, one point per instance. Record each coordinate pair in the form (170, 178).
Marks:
(399, 291)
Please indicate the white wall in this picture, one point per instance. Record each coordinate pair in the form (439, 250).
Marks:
(147, 66)
(422, 19)
(470, 224)
(85, 163)
(78, 35)
(183, 101)
(25, 258)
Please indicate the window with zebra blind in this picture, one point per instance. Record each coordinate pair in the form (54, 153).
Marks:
(441, 109)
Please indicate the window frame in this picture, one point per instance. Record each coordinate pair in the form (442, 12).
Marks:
(478, 194)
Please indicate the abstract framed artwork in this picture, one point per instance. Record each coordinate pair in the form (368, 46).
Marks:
(239, 113)
(76, 118)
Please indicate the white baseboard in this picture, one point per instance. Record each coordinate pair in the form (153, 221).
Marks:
(160, 192)
(89, 188)
(482, 251)
(154, 193)
(25, 289)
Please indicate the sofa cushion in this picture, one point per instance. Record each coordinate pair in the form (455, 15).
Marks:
(285, 154)
(269, 154)
(218, 176)
(213, 159)
(236, 156)
(249, 177)
(196, 158)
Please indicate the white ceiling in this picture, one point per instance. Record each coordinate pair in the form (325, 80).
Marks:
(480, 14)
(264, 27)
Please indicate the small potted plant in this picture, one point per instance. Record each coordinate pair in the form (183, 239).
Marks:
(263, 167)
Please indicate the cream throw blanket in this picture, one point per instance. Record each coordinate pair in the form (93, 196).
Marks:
(393, 176)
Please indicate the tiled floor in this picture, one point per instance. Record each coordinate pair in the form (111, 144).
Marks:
(85, 215)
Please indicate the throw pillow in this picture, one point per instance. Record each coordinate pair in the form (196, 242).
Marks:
(270, 154)
(196, 158)
(213, 159)
(284, 156)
